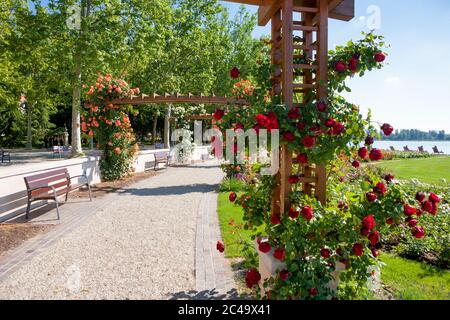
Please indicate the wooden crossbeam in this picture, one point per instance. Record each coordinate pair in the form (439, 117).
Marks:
(190, 98)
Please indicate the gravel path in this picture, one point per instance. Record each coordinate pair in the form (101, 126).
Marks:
(141, 246)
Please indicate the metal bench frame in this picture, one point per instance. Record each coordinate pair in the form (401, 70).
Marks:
(48, 190)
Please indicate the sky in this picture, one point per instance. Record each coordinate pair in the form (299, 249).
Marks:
(413, 90)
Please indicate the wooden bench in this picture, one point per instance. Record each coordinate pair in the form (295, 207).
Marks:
(5, 155)
(161, 157)
(51, 185)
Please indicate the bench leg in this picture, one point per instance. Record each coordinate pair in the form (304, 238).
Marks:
(89, 188)
(57, 209)
(67, 196)
(27, 215)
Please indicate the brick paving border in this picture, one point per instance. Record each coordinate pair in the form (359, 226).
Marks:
(214, 277)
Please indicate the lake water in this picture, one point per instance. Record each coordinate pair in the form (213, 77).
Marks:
(414, 145)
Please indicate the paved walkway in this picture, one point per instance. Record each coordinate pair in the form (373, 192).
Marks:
(156, 240)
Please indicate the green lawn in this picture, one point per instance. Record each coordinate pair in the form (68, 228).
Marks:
(412, 280)
(227, 212)
(428, 170)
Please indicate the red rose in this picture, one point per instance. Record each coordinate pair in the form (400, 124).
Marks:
(220, 247)
(375, 155)
(322, 106)
(235, 73)
(307, 213)
(301, 126)
(434, 198)
(275, 219)
(293, 214)
(284, 275)
(313, 292)
(272, 121)
(380, 188)
(374, 252)
(232, 196)
(264, 247)
(309, 141)
(362, 152)
(390, 221)
(340, 66)
(353, 64)
(356, 164)
(420, 196)
(369, 222)
(364, 232)
(371, 197)
(434, 211)
(389, 178)
(288, 136)
(412, 222)
(252, 278)
(369, 141)
(239, 126)
(218, 114)
(325, 253)
(358, 249)
(330, 123)
(374, 237)
(387, 129)
(338, 129)
(418, 232)
(293, 179)
(261, 120)
(279, 254)
(294, 113)
(302, 158)
(408, 210)
(427, 206)
(379, 57)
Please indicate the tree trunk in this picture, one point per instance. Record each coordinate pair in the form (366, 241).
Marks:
(29, 132)
(167, 127)
(155, 124)
(76, 84)
(76, 91)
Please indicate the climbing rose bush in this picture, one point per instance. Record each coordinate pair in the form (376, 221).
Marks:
(310, 239)
(110, 125)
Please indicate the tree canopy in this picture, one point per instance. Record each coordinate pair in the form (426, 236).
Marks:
(48, 49)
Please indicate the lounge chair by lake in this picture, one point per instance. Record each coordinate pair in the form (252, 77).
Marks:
(436, 150)
(392, 148)
(421, 149)
(406, 149)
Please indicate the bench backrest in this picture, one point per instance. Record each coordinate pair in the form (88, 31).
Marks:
(58, 179)
(161, 155)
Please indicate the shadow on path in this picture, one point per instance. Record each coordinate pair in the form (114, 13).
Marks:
(171, 190)
(206, 295)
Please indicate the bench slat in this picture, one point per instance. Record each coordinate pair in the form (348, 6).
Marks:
(47, 182)
(46, 175)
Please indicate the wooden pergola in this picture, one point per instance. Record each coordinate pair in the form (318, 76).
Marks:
(299, 30)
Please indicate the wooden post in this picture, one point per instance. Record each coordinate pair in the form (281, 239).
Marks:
(322, 91)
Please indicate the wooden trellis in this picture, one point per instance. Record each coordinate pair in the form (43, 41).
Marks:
(300, 35)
